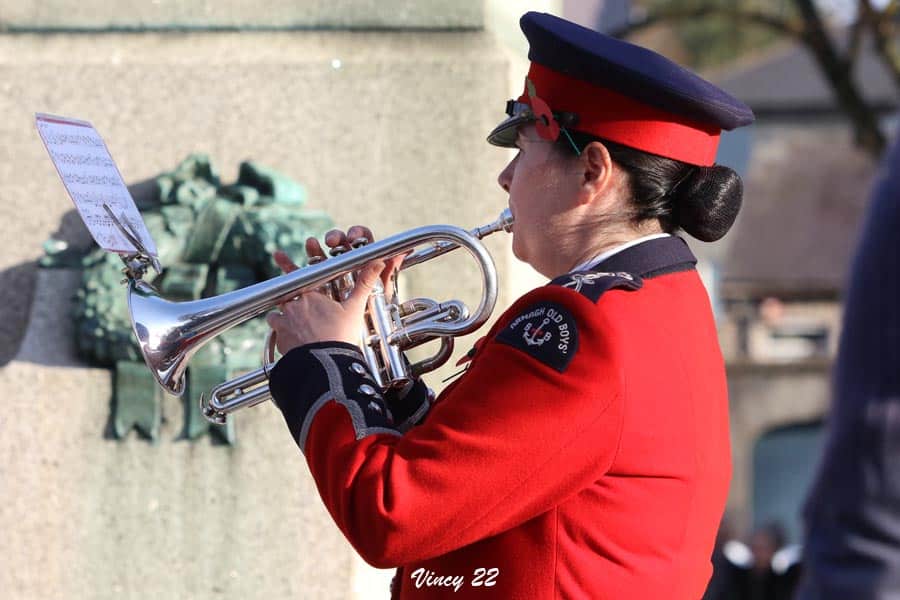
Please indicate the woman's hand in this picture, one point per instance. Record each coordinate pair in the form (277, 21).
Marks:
(315, 317)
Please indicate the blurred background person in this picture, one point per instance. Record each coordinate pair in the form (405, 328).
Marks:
(852, 547)
(764, 567)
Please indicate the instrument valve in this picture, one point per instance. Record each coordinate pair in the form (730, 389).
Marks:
(341, 249)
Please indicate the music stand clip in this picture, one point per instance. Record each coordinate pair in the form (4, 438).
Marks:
(136, 263)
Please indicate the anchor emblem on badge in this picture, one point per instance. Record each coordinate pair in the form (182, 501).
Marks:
(535, 337)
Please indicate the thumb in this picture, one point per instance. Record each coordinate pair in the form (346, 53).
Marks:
(366, 279)
(391, 268)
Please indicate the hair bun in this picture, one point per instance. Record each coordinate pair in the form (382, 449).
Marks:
(708, 202)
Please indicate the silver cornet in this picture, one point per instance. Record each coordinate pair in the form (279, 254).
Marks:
(169, 333)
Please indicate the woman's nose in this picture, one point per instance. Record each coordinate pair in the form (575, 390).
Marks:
(505, 177)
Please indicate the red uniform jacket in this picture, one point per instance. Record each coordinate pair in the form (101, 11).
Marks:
(583, 454)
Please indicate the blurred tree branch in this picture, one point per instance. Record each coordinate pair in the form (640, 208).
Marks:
(856, 35)
(699, 10)
(808, 28)
(882, 25)
(838, 70)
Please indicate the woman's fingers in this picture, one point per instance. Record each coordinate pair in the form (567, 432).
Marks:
(335, 238)
(360, 231)
(284, 261)
(314, 248)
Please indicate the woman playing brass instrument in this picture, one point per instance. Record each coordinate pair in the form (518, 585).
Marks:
(585, 451)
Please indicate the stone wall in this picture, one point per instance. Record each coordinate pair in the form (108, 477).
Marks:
(223, 14)
(88, 516)
(764, 397)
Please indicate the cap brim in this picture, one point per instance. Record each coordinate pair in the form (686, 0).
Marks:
(506, 132)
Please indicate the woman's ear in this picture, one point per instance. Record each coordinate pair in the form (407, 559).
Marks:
(596, 172)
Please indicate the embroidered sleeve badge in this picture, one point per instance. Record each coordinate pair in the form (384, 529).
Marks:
(545, 331)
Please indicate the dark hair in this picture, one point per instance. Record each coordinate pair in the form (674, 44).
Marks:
(703, 201)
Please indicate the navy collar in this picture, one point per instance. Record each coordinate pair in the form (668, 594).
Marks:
(651, 258)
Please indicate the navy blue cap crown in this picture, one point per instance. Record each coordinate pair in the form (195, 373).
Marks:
(631, 70)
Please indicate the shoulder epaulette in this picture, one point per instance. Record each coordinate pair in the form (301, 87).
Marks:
(592, 284)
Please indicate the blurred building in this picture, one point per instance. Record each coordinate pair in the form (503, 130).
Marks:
(781, 272)
(600, 15)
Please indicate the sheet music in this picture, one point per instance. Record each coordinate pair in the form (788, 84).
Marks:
(92, 179)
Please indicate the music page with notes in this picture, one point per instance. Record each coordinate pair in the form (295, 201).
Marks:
(94, 183)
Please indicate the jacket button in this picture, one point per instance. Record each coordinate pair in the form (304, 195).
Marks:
(358, 368)
(367, 389)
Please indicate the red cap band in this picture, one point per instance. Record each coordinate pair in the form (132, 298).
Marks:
(617, 118)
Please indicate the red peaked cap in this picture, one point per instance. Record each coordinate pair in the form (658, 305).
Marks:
(619, 92)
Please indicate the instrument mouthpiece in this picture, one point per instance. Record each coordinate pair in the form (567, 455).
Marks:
(503, 223)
